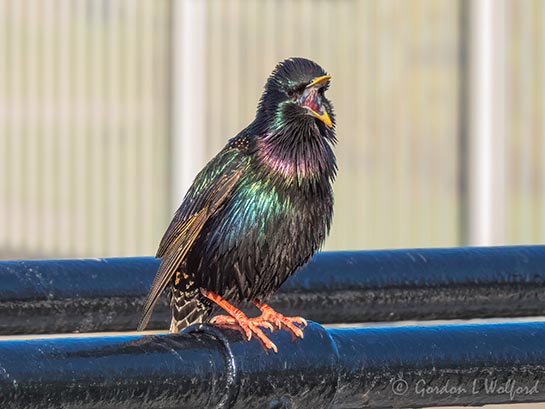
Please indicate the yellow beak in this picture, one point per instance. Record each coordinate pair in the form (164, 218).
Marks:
(319, 80)
(325, 116)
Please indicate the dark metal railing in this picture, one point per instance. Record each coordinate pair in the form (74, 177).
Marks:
(383, 367)
(352, 286)
(380, 367)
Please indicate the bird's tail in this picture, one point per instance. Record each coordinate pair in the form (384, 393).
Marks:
(188, 307)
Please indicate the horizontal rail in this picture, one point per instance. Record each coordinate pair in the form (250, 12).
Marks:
(335, 368)
(87, 295)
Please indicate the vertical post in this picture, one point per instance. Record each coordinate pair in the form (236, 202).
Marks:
(483, 98)
(188, 93)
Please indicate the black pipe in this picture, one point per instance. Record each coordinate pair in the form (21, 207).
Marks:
(350, 286)
(205, 367)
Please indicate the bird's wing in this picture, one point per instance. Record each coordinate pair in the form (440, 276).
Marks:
(212, 180)
(207, 194)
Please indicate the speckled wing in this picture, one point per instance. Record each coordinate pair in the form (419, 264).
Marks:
(211, 188)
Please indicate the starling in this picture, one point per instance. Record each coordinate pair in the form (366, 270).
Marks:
(256, 212)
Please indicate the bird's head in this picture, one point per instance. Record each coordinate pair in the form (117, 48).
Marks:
(294, 96)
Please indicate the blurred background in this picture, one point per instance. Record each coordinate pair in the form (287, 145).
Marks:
(108, 109)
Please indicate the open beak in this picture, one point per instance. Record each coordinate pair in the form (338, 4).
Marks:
(312, 100)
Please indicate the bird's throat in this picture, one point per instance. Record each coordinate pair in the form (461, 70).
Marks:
(297, 159)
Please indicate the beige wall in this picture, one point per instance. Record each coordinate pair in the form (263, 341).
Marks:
(83, 127)
(85, 160)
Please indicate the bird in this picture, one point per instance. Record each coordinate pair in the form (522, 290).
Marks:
(255, 213)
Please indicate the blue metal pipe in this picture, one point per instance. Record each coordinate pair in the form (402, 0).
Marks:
(349, 286)
(205, 367)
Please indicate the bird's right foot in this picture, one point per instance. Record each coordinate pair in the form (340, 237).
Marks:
(249, 327)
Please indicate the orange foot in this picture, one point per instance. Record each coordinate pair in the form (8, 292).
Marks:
(280, 321)
(238, 320)
(248, 327)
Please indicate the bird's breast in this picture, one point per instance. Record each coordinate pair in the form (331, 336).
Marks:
(260, 237)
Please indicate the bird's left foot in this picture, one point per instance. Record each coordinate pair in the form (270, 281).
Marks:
(249, 327)
(294, 325)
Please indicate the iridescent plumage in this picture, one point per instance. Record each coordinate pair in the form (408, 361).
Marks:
(260, 208)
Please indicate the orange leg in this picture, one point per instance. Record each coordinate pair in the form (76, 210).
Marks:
(238, 320)
(279, 321)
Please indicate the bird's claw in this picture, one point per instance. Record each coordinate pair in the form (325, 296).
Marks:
(248, 327)
(288, 323)
(294, 325)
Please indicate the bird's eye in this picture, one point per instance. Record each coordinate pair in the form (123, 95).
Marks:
(290, 92)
